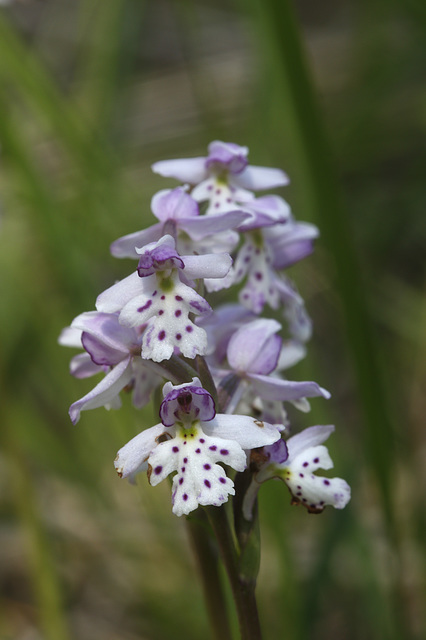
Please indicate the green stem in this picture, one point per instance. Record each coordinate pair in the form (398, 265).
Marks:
(242, 590)
(207, 561)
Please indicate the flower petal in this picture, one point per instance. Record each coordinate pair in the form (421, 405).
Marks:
(315, 492)
(199, 480)
(310, 437)
(214, 265)
(191, 170)
(168, 321)
(125, 247)
(106, 329)
(247, 431)
(186, 402)
(173, 204)
(260, 178)
(227, 155)
(271, 388)
(70, 337)
(203, 226)
(255, 347)
(292, 352)
(82, 366)
(116, 297)
(105, 391)
(132, 458)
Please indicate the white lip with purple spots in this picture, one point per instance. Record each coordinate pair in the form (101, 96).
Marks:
(193, 449)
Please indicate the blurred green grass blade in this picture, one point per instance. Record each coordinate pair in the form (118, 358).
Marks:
(64, 262)
(104, 64)
(23, 71)
(204, 90)
(278, 28)
(345, 528)
(47, 590)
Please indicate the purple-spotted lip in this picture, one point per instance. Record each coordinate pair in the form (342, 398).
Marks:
(159, 259)
(189, 402)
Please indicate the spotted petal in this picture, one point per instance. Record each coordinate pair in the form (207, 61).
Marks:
(199, 479)
(168, 323)
(313, 491)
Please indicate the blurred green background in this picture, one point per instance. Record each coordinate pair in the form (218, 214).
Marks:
(91, 93)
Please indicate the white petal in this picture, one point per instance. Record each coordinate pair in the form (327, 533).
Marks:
(308, 438)
(315, 492)
(133, 457)
(259, 178)
(190, 170)
(215, 265)
(247, 431)
(125, 247)
(105, 391)
(70, 337)
(113, 299)
(199, 479)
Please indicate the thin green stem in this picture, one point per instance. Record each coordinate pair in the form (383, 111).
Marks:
(242, 590)
(207, 561)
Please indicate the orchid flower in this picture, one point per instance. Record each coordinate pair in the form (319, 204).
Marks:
(191, 440)
(114, 350)
(156, 296)
(253, 354)
(295, 462)
(177, 210)
(223, 178)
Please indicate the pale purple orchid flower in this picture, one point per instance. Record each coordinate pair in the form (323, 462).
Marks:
(253, 354)
(290, 243)
(194, 233)
(191, 440)
(111, 349)
(156, 296)
(265, 251)
(295, 462)
(220, 326)
(223, 178)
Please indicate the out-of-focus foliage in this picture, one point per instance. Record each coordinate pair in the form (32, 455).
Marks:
(93, 92)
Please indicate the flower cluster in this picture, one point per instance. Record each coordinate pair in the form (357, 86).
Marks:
(220, 369)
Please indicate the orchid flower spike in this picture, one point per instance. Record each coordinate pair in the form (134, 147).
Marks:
(191, 440)
(295, 462)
